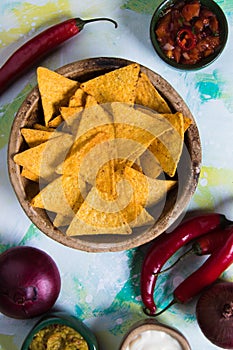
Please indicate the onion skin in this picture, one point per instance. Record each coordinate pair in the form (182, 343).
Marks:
(30, 282)
(213, 322)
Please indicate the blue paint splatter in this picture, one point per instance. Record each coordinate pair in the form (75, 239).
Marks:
(209, 86)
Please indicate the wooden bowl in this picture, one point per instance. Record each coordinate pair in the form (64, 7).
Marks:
(153, 325)
(187, 172)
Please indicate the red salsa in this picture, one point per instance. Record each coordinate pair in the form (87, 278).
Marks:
(188, 32)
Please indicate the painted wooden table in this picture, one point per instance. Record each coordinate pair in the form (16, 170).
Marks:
(103, 289)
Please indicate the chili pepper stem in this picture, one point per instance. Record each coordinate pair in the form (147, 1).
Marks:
(148, 313)
(81, 22)
(183, 256)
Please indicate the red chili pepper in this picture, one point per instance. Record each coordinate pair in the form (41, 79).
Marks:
(166, 245)
(186, 39)
(203, 277)
(39, 46)
(205, 244)
(212, 268)
(211, 241)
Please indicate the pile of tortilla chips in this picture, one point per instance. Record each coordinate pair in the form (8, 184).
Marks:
(106, 153)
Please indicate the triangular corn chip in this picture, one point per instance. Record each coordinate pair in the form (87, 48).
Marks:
(117, 85)
(29, 175)
(43, 159)
(55, 90)
(62, 220)
(78, 153)
(35, 137)
(78, 99)
(148, 96)
(97, 216)
(55, 122)
(63, 195)
(147, 191)
(168, 147)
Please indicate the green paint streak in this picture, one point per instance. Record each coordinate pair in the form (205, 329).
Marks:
(7, 342)
(142, 6)
(31, 233)
(82, 310)
(7, 114)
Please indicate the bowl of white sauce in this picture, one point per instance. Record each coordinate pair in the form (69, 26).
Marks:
(149, 334)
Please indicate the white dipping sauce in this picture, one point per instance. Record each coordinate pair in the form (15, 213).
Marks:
(154, 340)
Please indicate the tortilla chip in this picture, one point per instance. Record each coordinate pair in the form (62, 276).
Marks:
(63, 195)
(55, 122)
(97, 216)
(168, 147)
(134, 130)
(38, 126)
(95, 118)
(29, 175)
(78, 152)
(62, 220)
(105, 181)
(55, 90)
(148, 96)
(146, 191)
(43, 159)
(117, 85)
(90, 101)
(150, 165)
(134, 213)
(187, 122)
(68, 113)
(35, 137)
(78, 99)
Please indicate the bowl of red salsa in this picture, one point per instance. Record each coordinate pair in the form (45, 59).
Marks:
(189, 34)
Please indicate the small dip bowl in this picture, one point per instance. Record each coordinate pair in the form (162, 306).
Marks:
(62, 319)
(211, 5)
(150, 328)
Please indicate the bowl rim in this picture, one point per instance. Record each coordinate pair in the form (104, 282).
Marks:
(152, 324)
(62, 318)
(72, 70)
(160, 11)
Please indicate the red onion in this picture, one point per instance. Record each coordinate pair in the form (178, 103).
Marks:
(29, 282)
(214, 313)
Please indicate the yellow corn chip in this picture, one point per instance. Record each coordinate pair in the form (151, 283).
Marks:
(43, 159)
(97, 216)
(55, 91)
(95, 118)
(168, 147)
(38, 126)
(118, 85)
(63, 195)
(147, 191)
(78, 99)
(35, 137)
(78, 152)
(148, 96)
(135, 130)
(29, 175)
(62, 220)
(55, 122)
